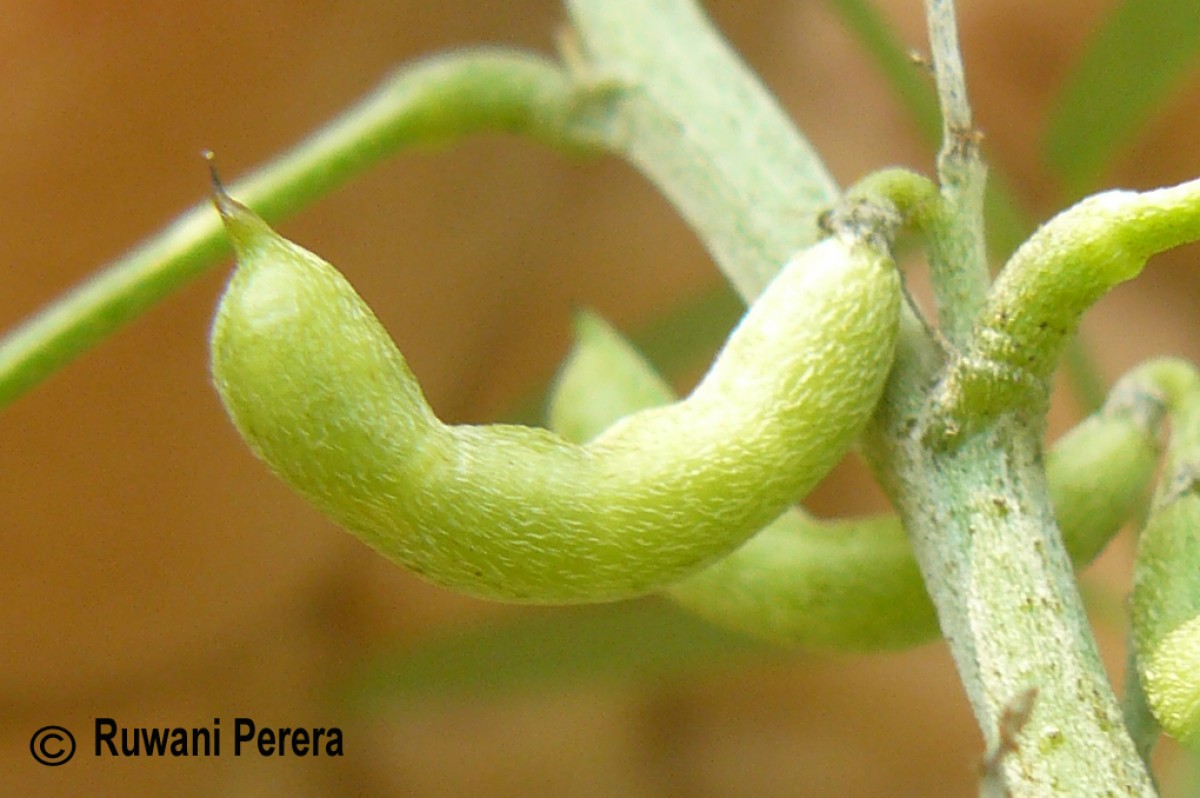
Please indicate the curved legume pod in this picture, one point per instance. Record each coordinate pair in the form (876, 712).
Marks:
(852, 584)
(318, 389)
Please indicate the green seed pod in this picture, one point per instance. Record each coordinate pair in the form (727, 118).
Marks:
(853, 585)
(1036, 303)
(319, 391)
(1165, 605)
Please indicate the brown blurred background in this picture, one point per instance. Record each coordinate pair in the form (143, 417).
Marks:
(155, 573)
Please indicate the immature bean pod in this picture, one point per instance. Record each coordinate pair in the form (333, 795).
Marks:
(1036, 303)
(853, 585)
(1165, 605)
(319, 391)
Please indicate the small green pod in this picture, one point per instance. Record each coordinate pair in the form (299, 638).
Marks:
(1165, 605)
(1036, 303)
(853, 585)
(317, 388)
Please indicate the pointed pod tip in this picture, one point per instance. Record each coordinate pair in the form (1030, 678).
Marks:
(243, 225)
(224, 204)
(586, 322)
(213, 176)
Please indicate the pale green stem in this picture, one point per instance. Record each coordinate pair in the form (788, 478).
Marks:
(982, 528)
(430, 101)
(699, 125)
(984, 535)
(958, 249)
(1007, 222)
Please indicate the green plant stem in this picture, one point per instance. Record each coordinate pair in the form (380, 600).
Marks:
(431, 101)
(983, 534)
(982, 528)
(958, 252)
(1008, 222)
(959, 258)
(700, 126)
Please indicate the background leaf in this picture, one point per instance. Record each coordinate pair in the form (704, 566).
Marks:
(1138, 56)
(545, 648)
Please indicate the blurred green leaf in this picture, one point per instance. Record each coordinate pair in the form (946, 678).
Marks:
(910, 82)
(544, 648)
(683, 338)
(686, 337)
(1140, 53)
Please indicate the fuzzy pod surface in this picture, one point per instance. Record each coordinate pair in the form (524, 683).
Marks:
(853, 584)
(1037, 301)
(316, 386)
(1165, 604)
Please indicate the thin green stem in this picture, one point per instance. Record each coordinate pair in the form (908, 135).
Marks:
(958, 251)
(948, 71)
(981, 524)
(1008, 223)
(434, 100)
(694, 119)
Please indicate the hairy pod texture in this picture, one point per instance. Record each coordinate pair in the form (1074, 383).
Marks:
(1036, 303)
(318, 389)
(1165, 605)
(853, 584)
